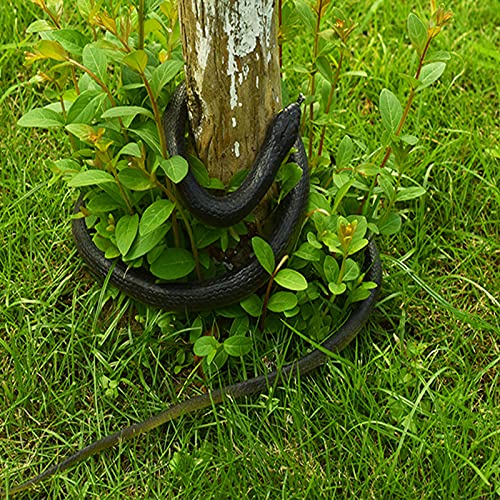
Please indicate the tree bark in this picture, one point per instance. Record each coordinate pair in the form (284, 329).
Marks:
(233, 79)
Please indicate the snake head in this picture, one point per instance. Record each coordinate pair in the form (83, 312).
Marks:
(286, 125)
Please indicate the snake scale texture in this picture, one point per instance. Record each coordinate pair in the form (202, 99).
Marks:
(232, 286)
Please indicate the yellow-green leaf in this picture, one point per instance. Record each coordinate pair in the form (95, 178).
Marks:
(136, 60)
(52, 50)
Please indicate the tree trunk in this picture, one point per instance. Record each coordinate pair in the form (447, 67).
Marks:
(233, 79)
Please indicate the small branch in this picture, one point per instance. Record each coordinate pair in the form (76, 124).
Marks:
(313, 75)
(140, 14)
(268, 292)
(95, 78)
(330, 99)
(280, 24)
(409, 102)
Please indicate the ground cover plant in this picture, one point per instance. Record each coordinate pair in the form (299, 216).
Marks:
(410, 409)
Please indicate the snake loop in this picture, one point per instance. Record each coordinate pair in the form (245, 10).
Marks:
(235, 285)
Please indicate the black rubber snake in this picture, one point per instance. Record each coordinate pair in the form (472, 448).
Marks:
(231, 287)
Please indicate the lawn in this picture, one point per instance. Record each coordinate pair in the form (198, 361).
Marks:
(411, 409)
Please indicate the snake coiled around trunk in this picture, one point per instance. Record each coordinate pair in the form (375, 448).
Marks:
(232, 286)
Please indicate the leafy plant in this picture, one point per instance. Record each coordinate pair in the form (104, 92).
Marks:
(358, 170)
(106, 84)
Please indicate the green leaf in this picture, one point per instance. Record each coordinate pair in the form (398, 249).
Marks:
(386, 184)
(102, 242)
(417, 32)
(86, 8)
(368, 169)
(264, 254)
(331, 269)
(102, 203)
(344, 152)
(337, 289)
(143, 244)
(112, 252)
(307, 252)
(175, 168)
(340, 194)
(72, 41)
(440, 55)
(361, 226)
(136, 60)
(86, 107)
(131, 149)
(282, 301)
(237, 345)
(134, 179)
(148, 133)
(351, 271)
(90, 178)
(325, 68)
(252, 305)
(51, 49)
(240, 326)
(291, 279)
(289, 175)
(155, 215)
(356, 246)
(40, 25)
(83, 131)
(313, 241)
(125, 232)
(164, 74)
(196, 329)
(306, 13)
(409, 193)
(390, 224)
(41, 118)
(128, 112)
(199, 170)
(205, 235)
(205, 345)
(173, 263)
(214, 361)
(362, 292)
(332, 241)
(430, 73)
(95, 60)
(411, 140)
(390, 109)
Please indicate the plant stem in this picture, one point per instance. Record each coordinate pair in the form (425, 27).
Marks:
(121, 188)
(330, 99)
(52, 17)
(313, 74)
(157, 115)
(268, 291)
(175, 228)
(95, 78)
(169, 188)
(140, 14)
(342, 269)
(409, 102)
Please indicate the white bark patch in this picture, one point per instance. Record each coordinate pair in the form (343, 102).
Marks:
(246, 22)
(237, 149)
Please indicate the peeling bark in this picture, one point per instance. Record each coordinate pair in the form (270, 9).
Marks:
(233, 78)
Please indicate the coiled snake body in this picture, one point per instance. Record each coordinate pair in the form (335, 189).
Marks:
(231, 287)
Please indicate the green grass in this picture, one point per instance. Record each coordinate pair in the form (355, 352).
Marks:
(410, 410)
